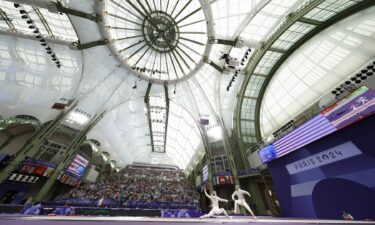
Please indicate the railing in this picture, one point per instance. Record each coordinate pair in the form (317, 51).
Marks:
(130, 204)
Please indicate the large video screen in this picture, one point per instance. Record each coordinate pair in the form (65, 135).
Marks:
(267, 154)
(354, 107)
(78, 165)
(312, 130)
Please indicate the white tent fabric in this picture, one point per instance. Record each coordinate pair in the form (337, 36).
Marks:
(31, 83)
(319, 65)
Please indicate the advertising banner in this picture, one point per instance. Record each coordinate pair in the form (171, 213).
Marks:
(356, 106)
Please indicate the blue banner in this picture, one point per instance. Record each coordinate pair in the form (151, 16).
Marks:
(356, 106)
(267, 154)
(181, 213)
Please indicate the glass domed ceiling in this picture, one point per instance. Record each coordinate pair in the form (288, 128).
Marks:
(162, 40)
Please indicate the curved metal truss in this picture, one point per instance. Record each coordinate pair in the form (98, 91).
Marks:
(301, 25)
(158, 40)
(30, 20)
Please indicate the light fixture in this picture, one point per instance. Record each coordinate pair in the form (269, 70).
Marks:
(77, 118)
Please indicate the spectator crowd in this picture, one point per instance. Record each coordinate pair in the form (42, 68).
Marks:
(137, 184)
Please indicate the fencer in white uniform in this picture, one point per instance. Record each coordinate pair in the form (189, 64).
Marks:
(241, 200)
(215, 205)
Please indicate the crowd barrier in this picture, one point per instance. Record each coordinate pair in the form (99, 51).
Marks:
(127, 204)
(42, 209)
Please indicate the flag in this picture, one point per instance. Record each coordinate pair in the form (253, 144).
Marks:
(40, 169)
(48, 172)
(204, 121)
(229, 180)
(78, 165)
(64, 178)
(58, 106)
(27, 168)
(219, 180)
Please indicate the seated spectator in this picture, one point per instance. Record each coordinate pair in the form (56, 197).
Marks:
(165, 188)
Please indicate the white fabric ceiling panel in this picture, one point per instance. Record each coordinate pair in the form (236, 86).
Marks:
(87, 30)
(30, 79)
(94, 72)
(316, 68)
(86, 6)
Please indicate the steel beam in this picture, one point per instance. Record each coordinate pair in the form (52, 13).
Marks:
(96, 18)
(217, 67)
(35, 141)
(67, 159)
(43, 20)
(340, 16)
(257, 56)
(167, 101)
(7, 20)
(147, 102)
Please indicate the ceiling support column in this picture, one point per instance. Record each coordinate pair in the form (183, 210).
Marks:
(207, 149)
(35, 142)
(147, 101)
(68, 157)
(167, 100)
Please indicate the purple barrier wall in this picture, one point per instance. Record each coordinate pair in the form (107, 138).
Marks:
(330, 175)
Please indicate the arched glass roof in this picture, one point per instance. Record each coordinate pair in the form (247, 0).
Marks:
(155, 68)
(316, 68)
(306, 20)
(159, 40)
(15, 17)
(30, 82)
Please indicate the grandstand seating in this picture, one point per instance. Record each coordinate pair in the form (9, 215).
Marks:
(136, 188)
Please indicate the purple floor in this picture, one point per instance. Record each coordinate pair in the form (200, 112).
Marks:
(46, 220)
